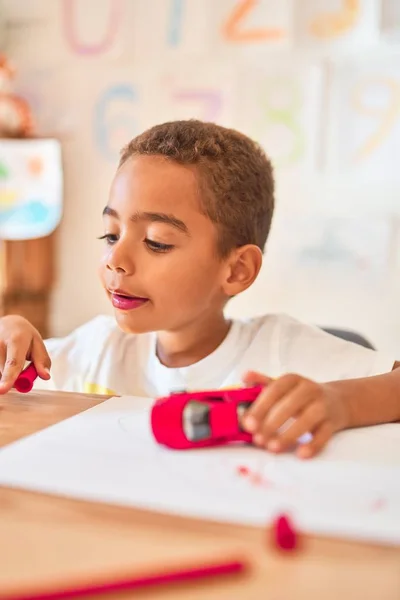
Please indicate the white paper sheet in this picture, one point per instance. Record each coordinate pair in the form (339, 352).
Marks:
(107, 454)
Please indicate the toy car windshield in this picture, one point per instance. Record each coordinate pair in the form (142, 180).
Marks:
(196, 421)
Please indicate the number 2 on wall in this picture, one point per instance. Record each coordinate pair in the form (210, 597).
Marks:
(233, 31)
(69, 13)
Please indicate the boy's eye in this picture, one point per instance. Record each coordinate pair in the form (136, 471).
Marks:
(110, 238)
(157, 246)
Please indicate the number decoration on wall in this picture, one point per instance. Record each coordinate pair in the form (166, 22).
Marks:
(387, 116)
(334, 24)
(175, 22)
(112, 131)
(364, 130)
(233, 29)
(93, 49)
(285, 116)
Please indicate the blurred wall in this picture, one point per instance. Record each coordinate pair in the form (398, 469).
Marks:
(316, 82)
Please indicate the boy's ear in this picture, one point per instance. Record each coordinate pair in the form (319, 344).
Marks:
(244, 265)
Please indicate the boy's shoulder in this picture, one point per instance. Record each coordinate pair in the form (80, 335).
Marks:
(293, 346)
(276, 324)
(288, 335)
(284, 326)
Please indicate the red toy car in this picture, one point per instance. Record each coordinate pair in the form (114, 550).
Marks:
(200, 419)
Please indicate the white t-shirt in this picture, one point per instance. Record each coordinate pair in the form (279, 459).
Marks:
(100, 358)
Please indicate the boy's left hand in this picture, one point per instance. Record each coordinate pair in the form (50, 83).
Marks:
(310, 407)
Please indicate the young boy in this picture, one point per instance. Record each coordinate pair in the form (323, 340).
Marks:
(188, 216)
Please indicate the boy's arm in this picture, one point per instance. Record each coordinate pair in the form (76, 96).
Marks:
(371, 400)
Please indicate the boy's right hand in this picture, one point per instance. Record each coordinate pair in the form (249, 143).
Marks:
(19, 342)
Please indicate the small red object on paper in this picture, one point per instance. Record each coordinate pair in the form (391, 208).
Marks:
(284, 533)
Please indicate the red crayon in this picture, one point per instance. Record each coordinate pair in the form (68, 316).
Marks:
(24, 382)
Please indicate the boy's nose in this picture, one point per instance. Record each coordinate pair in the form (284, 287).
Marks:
(120, 262)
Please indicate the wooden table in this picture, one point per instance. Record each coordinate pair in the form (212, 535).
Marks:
(49, 539)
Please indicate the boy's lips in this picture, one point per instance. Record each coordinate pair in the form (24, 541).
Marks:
(124, 301)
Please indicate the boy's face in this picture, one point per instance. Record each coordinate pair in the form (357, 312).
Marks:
(160, 266)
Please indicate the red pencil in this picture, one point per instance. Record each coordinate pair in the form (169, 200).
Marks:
(155, 579)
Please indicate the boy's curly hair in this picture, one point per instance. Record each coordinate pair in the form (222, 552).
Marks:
(236, 177)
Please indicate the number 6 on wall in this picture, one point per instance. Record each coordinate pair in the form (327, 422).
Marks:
(69, 15)
(108, 126)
